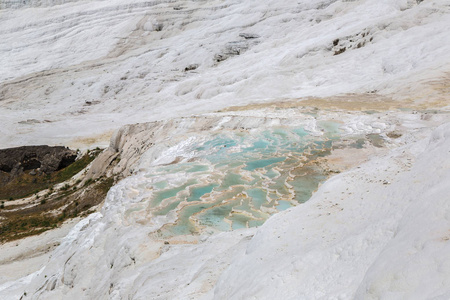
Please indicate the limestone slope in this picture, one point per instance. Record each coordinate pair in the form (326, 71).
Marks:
(377, 231)
(73, 72)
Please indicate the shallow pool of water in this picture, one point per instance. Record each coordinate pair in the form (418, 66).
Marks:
(239, 179)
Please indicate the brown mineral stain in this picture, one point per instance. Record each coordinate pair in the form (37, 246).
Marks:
(87, 142)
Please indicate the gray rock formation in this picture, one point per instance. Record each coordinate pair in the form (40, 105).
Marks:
(248, 36)
(45, 158)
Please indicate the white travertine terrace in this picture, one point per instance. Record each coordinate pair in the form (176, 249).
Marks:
(74, 72)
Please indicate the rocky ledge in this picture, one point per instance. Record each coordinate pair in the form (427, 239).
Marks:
(43, 159)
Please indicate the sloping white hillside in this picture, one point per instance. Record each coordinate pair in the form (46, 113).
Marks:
(81, 69)
(377, 231)
(73, 72)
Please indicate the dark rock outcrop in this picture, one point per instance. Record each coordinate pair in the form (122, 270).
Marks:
(191, 67)
(45, 158)
(248, 36)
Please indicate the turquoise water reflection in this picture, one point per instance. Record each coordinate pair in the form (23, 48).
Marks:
(198, 192)
(239, 179)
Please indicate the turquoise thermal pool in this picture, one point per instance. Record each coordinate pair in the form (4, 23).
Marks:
(237, 179)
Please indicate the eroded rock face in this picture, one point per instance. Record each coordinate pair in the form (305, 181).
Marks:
(45, 158)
